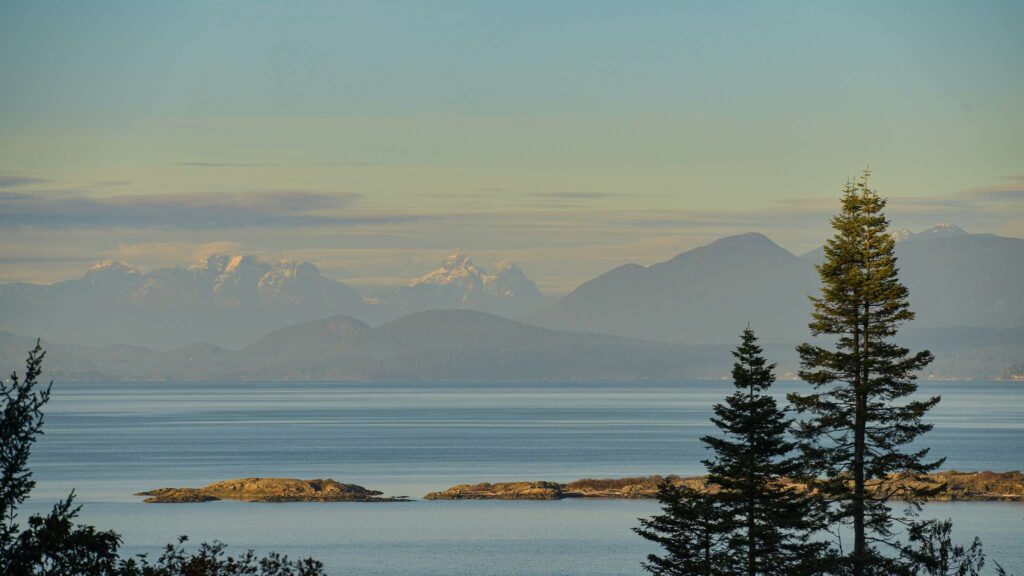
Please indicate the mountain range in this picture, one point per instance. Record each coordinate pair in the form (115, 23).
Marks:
(466, 345)
(436, 345)
(461, 284)
(671, 319)
(230, 300)
(708, 294)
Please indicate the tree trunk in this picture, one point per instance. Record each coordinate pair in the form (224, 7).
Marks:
(859, 541)
(859, 426)
(859, 537)
(751, 554)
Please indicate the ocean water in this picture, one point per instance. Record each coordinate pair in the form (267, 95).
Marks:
(110, 440)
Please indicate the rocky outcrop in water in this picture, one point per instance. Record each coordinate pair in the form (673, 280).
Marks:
(1008, 486)
(637, 487)
(269, 490)
(501, 491)
(975, 486)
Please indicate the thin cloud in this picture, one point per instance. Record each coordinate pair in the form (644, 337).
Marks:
(206, 210)
(351, 163)
(224, 164)
(654, 222)
(1012, 192)
(573, 195)
(16, 181)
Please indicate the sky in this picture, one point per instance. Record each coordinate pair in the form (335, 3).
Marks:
(372, 138)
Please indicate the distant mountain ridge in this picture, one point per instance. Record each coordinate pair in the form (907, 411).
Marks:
(965, 288)
(465, 345)
(232, 299)
(439, 345)
(224, 299)
(460, 284)
(956, 279)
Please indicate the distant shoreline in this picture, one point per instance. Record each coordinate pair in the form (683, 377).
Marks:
(956, 487)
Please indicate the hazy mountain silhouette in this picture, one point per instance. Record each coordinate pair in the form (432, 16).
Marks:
(435, 345)
(223, 299)
(460, 284)
(965, 288)
(467, 345)
(231, 300)
(706, 295)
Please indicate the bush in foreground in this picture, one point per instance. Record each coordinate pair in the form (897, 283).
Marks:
(56, 545)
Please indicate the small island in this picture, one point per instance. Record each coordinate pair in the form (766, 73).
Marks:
(959, 486)
(269, 490)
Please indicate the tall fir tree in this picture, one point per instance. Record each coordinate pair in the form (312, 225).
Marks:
(768, 527)
(746, 523)
(691, 530)
(858, 421)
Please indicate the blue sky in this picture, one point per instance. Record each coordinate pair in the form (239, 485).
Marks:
(568, 136)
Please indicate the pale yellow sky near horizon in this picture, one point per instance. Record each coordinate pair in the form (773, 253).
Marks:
(373, 140)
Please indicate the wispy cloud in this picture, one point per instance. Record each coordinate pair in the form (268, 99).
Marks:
(573, 195)
(46, 235)
(675, 221)
(16, 181)
(224, 164)
(205, 210)
(346, 163)
(1010, 191)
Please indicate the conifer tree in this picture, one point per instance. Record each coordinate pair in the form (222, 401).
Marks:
(690, 529)
(745, 522)
(768, 527)
(858, 420)
(55, 545)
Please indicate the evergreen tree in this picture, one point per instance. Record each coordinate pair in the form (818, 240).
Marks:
(51, 544)
(745, 522)
(690, 529)
(858, 418)
(55, 545)
(933, 553)
(768, 527)
(20, 422)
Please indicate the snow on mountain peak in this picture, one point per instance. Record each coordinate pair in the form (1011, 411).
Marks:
(457, 259)
(461, 283)
(213, 262)
(286, 271)
(944, 229)
(901, 234)
(504, 266)
(457, 269)
(113, 267)
(238, 263)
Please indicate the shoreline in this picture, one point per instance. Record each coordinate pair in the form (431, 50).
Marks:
(955, 486)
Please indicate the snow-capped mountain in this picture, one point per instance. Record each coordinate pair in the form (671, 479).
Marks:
(112, 276)
(937, 231)
(229, 300)
(222, 298)
(460, 284)
(218, 280)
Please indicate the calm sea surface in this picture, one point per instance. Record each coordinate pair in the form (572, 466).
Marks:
(108, 441)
